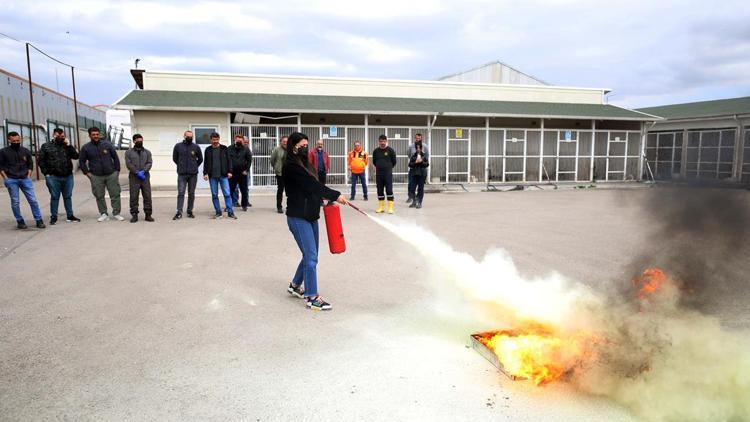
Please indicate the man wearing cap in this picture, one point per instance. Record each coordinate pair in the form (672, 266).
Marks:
(56, 163)
(384, 160)
(357, 164)
(138, 161)
(16, 166)
(217, 169)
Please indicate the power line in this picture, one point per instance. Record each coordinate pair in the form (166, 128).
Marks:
(9, 37)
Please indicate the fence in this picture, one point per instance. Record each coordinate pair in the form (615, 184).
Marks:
(708, 154)
(468, 155)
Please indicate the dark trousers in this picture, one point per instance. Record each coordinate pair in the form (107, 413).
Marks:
(144, 188)
(58, 185)
(412, 185)
(186, 181)
(279, 191)
(359, 178)
(418, 193)
(322, 177)
(384, 181)
(239, 180)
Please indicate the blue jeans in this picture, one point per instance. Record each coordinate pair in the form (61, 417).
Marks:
(56, 186)
(27, 187)
(214, 182)
(306, 235)
(361, 178)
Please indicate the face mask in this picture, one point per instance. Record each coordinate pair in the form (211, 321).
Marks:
(139, 144)
(188, 139)
(239, 144)
(15, 146)
(303, 151)
(60, 140)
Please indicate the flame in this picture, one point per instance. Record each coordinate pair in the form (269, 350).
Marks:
(542, 354)
(535, 352)
(652, 280)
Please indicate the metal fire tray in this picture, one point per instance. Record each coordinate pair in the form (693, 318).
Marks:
(477, 345)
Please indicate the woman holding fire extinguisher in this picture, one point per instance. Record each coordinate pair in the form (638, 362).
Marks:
(305, 195)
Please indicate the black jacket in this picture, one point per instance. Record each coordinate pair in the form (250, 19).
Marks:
(241, 158)
(99, 158)
(226, 162)
(56, 159)
(418, 169)
(384, 159)
(304, 193)
(188, 158)
(16, 163)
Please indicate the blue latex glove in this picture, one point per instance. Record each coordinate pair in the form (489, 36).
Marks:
(141, 175)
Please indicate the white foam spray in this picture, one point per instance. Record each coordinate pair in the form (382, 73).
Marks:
(665, 363)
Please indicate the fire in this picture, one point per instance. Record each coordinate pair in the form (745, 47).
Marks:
(651, 281)
(535, 352)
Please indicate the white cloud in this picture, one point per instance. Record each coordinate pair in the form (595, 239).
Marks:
(251, 61)
(369, 49)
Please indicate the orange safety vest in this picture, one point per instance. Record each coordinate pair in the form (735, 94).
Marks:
(358, 161)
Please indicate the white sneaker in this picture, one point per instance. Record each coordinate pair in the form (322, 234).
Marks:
(118, 217)
(103, 217)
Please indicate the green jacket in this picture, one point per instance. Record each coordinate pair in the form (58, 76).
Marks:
(278, 156)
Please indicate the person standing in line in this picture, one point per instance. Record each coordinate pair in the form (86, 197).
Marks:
(188, 158)
(99, 162)
(16, 166)
(138, 161)
(384, 160)
(358, 161)
(320, 161)
(305, 196)
(418, 171)
(217, 170)
(278, 158)
(246, 142)
(56, 163)
(242, 159)
(412, 149)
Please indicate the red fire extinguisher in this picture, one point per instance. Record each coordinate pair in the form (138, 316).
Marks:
(335, 230)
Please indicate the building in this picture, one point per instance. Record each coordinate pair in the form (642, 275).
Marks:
(51, 109)
(706, 140)
(494, 73)
(477, 132)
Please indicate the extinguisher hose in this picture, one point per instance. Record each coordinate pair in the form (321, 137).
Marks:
(357, 209)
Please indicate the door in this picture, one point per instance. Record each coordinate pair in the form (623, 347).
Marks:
(202, 137)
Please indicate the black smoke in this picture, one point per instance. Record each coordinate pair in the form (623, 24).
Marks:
(699, 235)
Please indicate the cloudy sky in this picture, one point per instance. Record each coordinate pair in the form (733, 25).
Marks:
(647, 52)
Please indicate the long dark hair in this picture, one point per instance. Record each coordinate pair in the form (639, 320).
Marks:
(296, 159)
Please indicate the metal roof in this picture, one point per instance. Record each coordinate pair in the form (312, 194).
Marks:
(224, 101)
(715, 108)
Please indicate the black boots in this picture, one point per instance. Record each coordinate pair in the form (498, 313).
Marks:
(134, 218)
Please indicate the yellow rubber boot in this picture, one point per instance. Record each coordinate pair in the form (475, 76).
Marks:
(390, 207)
(381, 207)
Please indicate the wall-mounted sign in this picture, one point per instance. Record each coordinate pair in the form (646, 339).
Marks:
(397, 136)
(263, 135)
(459, 133)
(568, 135)
(333, 131)
(325, 136)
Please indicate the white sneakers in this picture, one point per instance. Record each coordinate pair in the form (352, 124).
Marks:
(105, 217)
